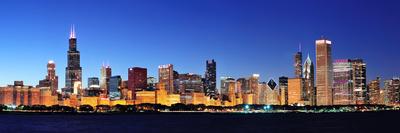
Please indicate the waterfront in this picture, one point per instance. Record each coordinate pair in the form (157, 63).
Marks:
(384, 121)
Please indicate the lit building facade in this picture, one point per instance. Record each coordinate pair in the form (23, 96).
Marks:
(253, 84)
(105, 75)
(342, 82)
(294, 91)
(374, 91)
(283, 90)
(324, 71)
(360, 81)
(166, 77)
(309, 93)
(392, 88)
(272, 93)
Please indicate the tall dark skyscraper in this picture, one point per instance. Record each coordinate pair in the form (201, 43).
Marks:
(73, 71)
(298, 59)
(211, 78)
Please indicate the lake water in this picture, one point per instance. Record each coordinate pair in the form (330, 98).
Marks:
(203, 123)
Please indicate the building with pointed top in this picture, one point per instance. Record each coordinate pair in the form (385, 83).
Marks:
(73, 71)
(298, 59)
(309, 93)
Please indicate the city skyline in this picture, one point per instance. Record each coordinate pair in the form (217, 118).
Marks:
(52, 47)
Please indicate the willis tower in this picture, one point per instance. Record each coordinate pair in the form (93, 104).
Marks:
(73, 74)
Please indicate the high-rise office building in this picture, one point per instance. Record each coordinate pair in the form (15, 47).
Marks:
(115, 87)
(253, 83)
(93, 82)
(309, 85)
(392, 87)
(374, 91)
(283, 88)
(360, 81)
(298, 59)
(190, 83)
(324, 71)
(272, 93)
(263, 93)
(51, 79)
(166, 77)
(137, 79)
(210, 79)
(295, 86)
(342, 82)
(105, 75)
(73, 74)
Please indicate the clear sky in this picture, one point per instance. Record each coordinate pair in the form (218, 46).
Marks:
(243, 36)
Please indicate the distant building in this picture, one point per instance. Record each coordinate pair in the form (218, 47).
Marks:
(309, 93)
(19, 94)
(392, 88)
(374, 91)
(294, 91)
(151, 82)
(324, 71)
(166, 77)
(105, 75)
(283, 88)
(227, 84)
(114, 87)
(342, 82)
(272, 93)
(298, 59)
(190, 83)
(253, 83)
(210, 79)
(360, 81)
(93, 82)
(137, 80)
(51, 79)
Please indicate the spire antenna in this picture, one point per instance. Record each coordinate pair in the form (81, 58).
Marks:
(299, 47)
(72, 33)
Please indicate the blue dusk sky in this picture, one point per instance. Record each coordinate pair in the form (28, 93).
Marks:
(243, 36)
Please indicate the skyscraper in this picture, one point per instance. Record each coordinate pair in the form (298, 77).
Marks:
(392, 87)
(137, 79)
(298, 59)
(210, 84)
(283, 88)
(253, 82)
(73, 74)
(342, 82)
(105, 75)
(324, 71)
(374, 91)
(360, 81)
(115, 87)
(309, 85)
(166, 77)
(51, 79)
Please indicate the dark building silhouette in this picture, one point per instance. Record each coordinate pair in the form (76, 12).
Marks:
(73, 74)
(210, 87)
(298, 59)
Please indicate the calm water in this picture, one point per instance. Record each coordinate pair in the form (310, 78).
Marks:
(204, 123)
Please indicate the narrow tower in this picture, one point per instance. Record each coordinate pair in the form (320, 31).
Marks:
(73, 71)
